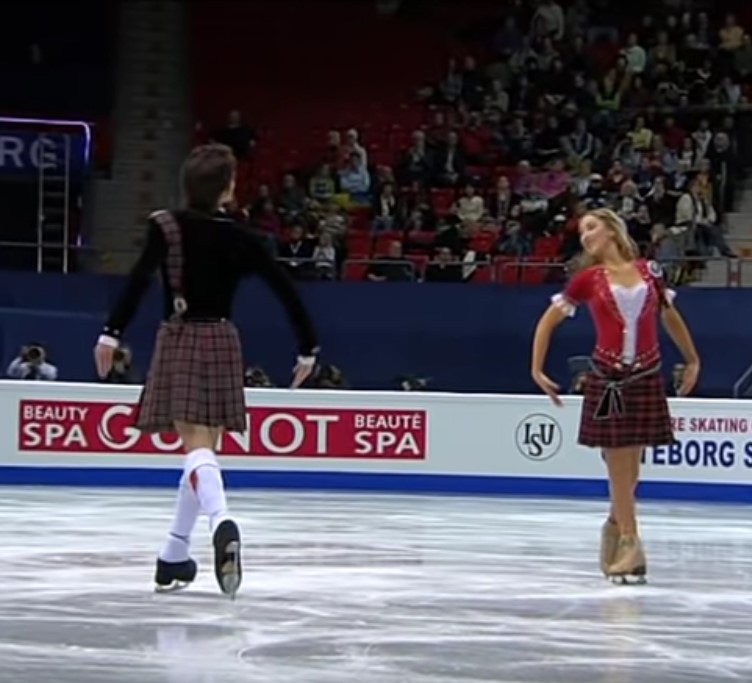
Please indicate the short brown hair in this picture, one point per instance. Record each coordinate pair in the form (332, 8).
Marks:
(206, 175)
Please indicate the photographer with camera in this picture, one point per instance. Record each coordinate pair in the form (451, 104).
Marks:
(122, 371)
(31, 364)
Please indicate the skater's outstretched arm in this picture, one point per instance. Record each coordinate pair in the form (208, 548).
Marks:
(551, 319)
(679, 333)
(139, 279)
(125, 308)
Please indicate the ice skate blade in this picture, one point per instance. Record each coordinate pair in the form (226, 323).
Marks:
(174, 587)
(231, 570)
(636, 579)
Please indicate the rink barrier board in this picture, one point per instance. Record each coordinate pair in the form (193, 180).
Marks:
(405, 484)
(482, 444)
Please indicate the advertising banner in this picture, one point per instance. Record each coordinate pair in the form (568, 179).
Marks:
(24, 152)
(62, 427)
(386, 440)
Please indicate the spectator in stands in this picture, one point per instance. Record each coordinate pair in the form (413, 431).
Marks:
(393, 268)
(237, 135)
(698, 216)
(641, 136)
(356, 180)
(267, 219)
(297, 252)
(668, 249)
(502, 199)
(292, 200)
(418, 162)
(450, 87)
(659, 203)
(731, 38)
(444, 268)
(32, 364)
(548, 143)
(352, 146)
(470, 208)
(333, 221)
(635, 54)
(473, 84)
(702, 137)
(451, 162)
(725, 168)
(386, 209)
(325, 257)
(581, 144)
(322, 186)
(548, 21)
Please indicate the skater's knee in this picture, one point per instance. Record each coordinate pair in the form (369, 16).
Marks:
(195, 436)
(196, 459)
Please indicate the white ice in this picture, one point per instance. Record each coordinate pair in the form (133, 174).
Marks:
(371, 589)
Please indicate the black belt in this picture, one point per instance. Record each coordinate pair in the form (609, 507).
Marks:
(611, 403)
(197, 319)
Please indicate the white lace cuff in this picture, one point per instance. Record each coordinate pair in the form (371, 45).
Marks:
(107, 340)
(564, 305)
(669, 295)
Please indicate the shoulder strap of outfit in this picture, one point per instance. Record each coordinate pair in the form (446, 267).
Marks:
(174, 239)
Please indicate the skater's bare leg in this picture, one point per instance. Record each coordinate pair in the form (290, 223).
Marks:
(623, 473)
(634, 477)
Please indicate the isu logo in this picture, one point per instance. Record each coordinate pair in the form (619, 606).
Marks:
(538, 437)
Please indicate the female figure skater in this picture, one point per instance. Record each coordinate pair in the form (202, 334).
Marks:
(624, 408)
(195, 383)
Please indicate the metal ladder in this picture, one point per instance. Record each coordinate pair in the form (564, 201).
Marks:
(53, 215)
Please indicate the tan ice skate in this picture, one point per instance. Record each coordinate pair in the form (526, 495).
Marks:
(609, 544)
(630, 564)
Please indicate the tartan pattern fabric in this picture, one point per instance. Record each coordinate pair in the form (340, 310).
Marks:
(174, 260)
(196, 372)
(196, 376)
(644, 422)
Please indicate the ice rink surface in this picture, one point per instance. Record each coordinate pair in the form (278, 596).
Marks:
(371, 589)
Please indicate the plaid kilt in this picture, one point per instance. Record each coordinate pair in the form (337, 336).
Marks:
(196, 376)
(644, 419)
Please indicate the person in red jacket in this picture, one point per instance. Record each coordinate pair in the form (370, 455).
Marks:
(624, 409)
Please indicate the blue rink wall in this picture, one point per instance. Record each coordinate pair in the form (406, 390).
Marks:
(472, 338)
(479, 444)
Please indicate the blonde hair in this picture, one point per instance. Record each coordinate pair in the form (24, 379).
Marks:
(626, 246)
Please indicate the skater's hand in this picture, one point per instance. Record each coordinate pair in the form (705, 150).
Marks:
(104, 355)
(550, 388)
(302, 370)
(689, 378)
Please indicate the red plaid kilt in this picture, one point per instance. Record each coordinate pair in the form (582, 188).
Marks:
(645, 420)
(196, 376)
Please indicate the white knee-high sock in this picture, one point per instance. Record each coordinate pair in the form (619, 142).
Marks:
(205, 477)
(177, 545)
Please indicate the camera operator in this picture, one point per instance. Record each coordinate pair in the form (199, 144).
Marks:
(256, 377)
(122, 371)
(327, 377)
(32, 364)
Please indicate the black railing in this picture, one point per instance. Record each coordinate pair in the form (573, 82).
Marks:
(498, 269)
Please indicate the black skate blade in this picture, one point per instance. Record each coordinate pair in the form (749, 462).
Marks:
(227, 563)
(637, 578)
(231, 570)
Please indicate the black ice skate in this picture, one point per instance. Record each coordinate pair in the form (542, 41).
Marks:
(174, 576)
(227, 567)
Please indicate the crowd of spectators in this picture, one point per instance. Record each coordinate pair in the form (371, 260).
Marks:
(574, 110)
